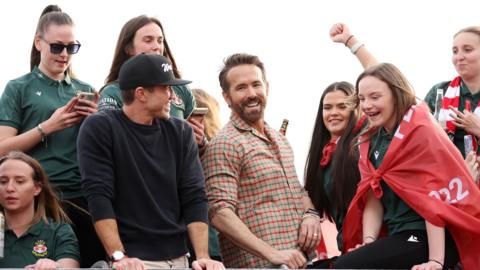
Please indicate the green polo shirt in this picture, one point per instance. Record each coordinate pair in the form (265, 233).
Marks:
(181, 106)
(32, 99)
(54, 241)
(397, 215)
(338, 216)
(465, 94)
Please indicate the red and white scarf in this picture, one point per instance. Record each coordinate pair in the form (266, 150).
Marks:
(452, 98)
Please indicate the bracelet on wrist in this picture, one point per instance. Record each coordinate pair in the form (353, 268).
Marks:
(42, 134)
(305, 216)
(432, 260)
(314, 216)
(348, 39)
(356, 46)
(312, 211)
(369, 237)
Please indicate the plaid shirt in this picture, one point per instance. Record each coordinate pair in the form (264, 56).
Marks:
(254, 176)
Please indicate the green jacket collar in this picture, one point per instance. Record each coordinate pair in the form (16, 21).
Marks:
(42, 76)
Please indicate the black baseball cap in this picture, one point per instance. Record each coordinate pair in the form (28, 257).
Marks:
(147, 70)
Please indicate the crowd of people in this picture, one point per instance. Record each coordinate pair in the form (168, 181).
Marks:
(134, 176)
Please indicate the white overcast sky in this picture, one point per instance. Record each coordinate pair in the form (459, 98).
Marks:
(290, 37)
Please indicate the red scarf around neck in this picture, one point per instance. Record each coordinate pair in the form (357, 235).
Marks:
(327, 152)
(452, 98)
(331, 146)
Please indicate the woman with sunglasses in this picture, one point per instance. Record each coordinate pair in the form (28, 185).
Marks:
(40, 114)
(37, 235)
(145, 34)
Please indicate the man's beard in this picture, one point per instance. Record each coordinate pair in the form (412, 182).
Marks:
(252, 116)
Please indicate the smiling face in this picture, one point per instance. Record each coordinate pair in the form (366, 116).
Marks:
(17, 187)
(466, 55)
(247, 94)
(55, 65)
(377, 102)
(335, 113)
(157, 101)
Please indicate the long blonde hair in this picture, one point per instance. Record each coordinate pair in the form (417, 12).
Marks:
(212, 119)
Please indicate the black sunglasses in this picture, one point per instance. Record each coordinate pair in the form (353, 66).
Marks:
(57, 48)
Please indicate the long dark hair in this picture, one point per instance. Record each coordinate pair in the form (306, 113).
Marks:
(345, 174)
(125, 40)
(51, 14)
(46, 202)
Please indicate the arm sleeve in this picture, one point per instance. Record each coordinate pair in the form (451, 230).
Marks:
(193, 199)
(222, 163)
(110, 98)
(95, 161)
(10, 107)
(188, 100)
(66, 244)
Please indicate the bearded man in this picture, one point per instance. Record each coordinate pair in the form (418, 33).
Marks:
(256, 202)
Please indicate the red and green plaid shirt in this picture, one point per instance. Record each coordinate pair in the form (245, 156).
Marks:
(254, 176)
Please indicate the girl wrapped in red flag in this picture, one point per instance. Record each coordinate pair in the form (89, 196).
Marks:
(414, 184)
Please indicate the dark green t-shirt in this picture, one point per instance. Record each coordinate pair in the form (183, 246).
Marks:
(28, 101)
(465, 94)
(397, 215)
(54, 241)
(181, 106)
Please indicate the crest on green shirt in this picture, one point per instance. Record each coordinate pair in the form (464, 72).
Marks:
(40, 249)
(176, 100)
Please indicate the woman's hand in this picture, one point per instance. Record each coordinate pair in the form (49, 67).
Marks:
(310, 234)
(44, 264)
(340, 33)
(198, 130)
(430, 265)
(87, 107)
(366, 240)
(64, 117)
(467, 120)
(472, 164)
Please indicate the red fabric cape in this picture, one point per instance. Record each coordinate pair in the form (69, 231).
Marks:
(420, 164)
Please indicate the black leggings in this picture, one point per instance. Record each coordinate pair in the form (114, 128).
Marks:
(397, 251)
(91, 249)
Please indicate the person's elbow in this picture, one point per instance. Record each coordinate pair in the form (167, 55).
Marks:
(221, 217)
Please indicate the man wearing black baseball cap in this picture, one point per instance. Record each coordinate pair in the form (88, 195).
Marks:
(147, 72)
(142, 176)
